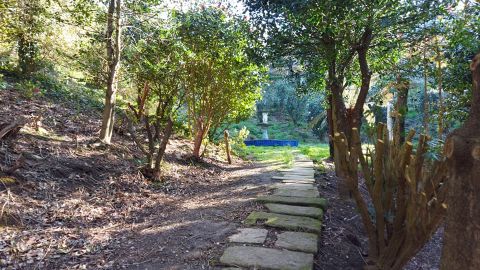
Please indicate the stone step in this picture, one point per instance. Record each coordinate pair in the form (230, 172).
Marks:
(287, 222)
(295, 210)
(298, 241)
(294, 186)
(249, 235)
(298, 181)
(289, 192)
(293, 178)
(267, 258)
(310, 175)
(298, 172)
(319, 202)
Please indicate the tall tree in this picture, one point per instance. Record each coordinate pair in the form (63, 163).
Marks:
(461, 249)
(114, 47)
(337, 42)
(22, 22)
(224, 79)
(157, 65)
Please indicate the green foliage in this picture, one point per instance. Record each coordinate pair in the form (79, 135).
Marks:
(223, 81)
(268, 154)
(279, 129)
(237, 141)
(316, 152)
(27, 89)
(463, 42)
(3, 83)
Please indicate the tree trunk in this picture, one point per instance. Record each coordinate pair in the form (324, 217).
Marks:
(346, 119)
(331, 132)
(113, 39)
(200, 130)
(440, 93)
(461, 249)
(227, 146)
(426, 103)
(161, 149)
(401, 108)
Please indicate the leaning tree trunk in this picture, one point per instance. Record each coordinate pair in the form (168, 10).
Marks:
(113, 56)
(167, 133)
(461, 248)
(200, 131)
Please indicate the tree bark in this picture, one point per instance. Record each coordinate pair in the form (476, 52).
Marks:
(331, 132)
(167, 133)
(426, 103)
(200, 130)
(461, 249)
(113, 39)
(401, 108)
(227, 146)
(345, 119)
(440, 93)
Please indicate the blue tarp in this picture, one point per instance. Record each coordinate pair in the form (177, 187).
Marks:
(272, 143)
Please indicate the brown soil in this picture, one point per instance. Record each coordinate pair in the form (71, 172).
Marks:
(75, 205)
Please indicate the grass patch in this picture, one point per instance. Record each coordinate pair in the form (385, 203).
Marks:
(269, 154)
(315, 152)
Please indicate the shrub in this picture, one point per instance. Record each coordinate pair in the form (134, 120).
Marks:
(237, 141)
(28, 89)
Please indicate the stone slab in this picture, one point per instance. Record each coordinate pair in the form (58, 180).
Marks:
(249, 235)
(287, 222)
(303, 164)
(294, 186)
(296, 193)
(297, 170)
(295, 210)
(309, 172)
(297, 181)
(299, 241)
(319, 202)
(301, 169)
(267, 258)
(293, 178)
(307, 175)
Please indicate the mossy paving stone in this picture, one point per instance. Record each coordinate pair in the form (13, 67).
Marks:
(295, 210)
(267, 258)
(319, 202)
(299, 241)
(287, 222)
(296, 193)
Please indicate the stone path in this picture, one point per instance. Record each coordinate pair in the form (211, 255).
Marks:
(285, 235)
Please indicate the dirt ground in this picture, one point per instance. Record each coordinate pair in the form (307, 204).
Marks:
(73, 205)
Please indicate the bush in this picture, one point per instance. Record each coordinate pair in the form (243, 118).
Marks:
(237, 141)
(3, 83)
(28, 89)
